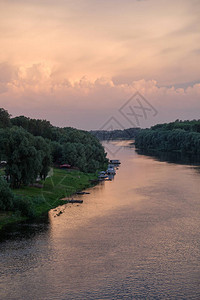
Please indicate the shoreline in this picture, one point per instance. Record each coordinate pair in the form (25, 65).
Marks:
(63, 183)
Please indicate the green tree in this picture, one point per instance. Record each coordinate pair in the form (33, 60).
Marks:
(23, 161)
(57, 152)
(4, 118)
(44, 152)
(6, 196)
(65, 145)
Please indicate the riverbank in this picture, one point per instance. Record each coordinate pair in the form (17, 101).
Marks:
(178, 136)
(62, 183)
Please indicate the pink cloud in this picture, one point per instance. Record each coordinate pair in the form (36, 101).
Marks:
(85, 103)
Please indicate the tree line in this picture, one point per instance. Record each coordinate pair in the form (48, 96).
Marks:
(180, 135)
(125, 134)
(31, 146)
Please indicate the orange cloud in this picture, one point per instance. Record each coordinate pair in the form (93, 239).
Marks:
(87, 103)
(82, 59)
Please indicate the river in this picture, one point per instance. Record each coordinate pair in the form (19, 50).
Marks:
(136, 237)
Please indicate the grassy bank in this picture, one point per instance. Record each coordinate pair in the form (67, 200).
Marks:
(62, 183)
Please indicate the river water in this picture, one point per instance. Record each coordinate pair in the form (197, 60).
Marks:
(136, 237)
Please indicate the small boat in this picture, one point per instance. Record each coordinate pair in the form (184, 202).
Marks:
(74, 201)
(111, 166)
(82, 193)
(115, 162)
(102, 175)
(71, 200)
(111, 171)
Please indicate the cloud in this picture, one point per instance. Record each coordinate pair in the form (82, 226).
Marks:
(126, 39)
(76, 62)
(7, 72)
(84, 103)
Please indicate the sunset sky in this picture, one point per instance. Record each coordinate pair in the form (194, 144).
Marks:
(76, 62)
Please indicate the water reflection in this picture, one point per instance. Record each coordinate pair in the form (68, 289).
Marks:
(135, 237)
(25, 230)
(172, 157)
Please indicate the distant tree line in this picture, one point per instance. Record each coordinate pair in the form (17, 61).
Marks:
(180, 135)
(192, 126)
(124, 134)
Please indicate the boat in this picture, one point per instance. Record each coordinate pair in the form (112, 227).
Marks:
(102, 175)
(75, 201)
(72, 200)
(115, 161)
(82, 193)
(111, 166)
(111, 170)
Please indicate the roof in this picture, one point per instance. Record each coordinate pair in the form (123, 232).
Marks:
(65, 166)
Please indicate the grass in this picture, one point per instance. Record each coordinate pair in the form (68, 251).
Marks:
(62, 184)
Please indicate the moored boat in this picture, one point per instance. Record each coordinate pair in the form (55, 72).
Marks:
(111, 170)
(102, 175)
(115, 161)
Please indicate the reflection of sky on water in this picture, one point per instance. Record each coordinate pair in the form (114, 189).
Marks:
(134, 236)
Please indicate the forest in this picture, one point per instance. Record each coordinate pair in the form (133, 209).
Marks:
(182, 136)
(125, 134)
(29, 147)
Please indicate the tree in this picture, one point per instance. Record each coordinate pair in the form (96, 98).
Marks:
(6, 196)
(4, 118)
(57, 152)
(41, 141)
(44, 151)
(70, 154)
(21, 121)
(23, 160)
(180, 138)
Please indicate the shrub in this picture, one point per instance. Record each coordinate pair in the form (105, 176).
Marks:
(24, 206)
(6, 196)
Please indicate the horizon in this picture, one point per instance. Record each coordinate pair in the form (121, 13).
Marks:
(78, 64)
(109, 129)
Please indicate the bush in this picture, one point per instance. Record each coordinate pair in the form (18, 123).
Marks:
(24, 206)
(6, 196)
(38, 200)
(16, 203)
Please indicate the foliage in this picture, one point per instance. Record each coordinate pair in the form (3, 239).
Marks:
(57, 152)
(62, 184)
(78, 148)
(24, 161)
(6, 196)
(177, 136)
(192, 126)
(4, 118)
(124, 134)
(30, 146)
(24, 206)
(43, 148)
(34, 126)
